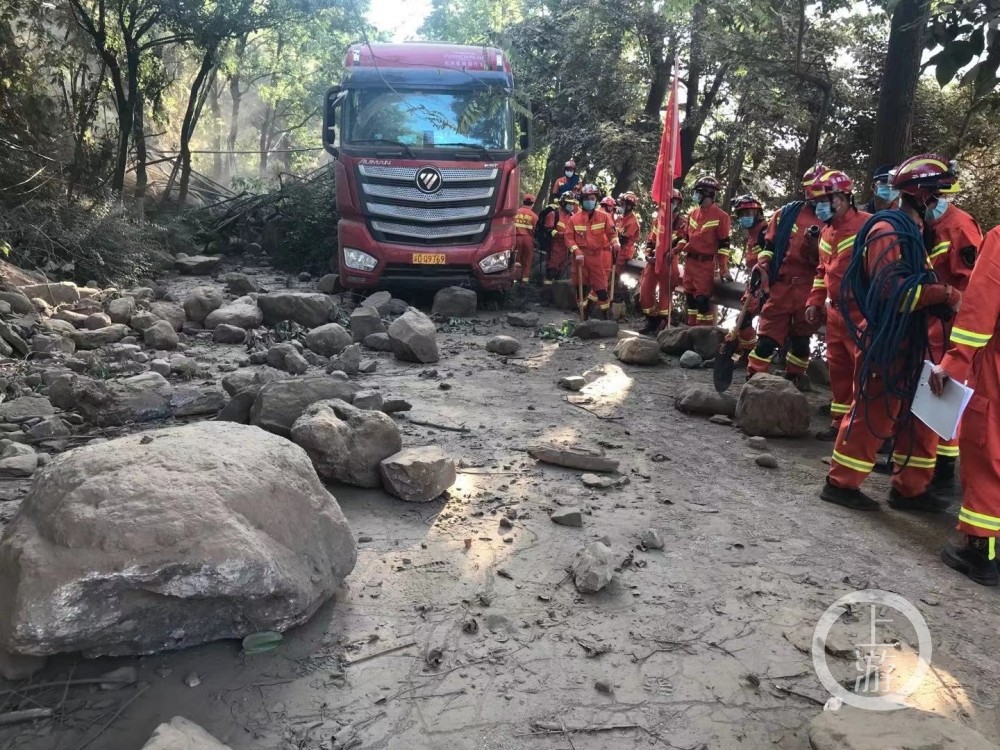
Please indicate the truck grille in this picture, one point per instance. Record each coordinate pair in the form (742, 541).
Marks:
(416, 217)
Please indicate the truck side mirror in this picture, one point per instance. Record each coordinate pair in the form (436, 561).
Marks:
(331, 133)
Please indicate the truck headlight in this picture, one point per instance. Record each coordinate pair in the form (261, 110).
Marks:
(496, 263)
(358, 260)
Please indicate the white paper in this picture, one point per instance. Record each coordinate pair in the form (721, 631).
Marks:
(941, 413)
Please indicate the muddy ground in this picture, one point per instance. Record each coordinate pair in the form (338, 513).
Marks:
(702, 641)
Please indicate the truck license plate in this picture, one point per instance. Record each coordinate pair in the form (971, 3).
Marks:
(429, 259)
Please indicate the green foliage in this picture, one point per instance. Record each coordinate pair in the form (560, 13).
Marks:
(967, 33)
(305, 224)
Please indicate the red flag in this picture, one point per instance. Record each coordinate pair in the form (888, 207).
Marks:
(668, 168)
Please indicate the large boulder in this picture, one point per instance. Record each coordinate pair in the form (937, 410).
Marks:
(381, 301)
(772, 407)
(169, 311)
(593, 568)
(143, 320)
(705, 401)
(346, 443)
(239, 314)
(96, 321)
(413, 337)
(62, 293)
(161, 335)
(675, 341)
(365, 321)
(101, 337)
(227, 334)
(454, 302)
(281, 402)
(348, 361)
(74, 318)
(120, 310)
(18, 302)
(198, 265)
(706, 340)
(111, 403)
(286, 357)
(379, 342)
(201, 301)
(505, 345)
(52, 344)
(236, 381)
(596, 329)
(240, 284)
(638, 350)
(418, 475)
(308, 309)
(181, 734)
(328, 340)
(24, 408)
(850, 728)
(207, 531)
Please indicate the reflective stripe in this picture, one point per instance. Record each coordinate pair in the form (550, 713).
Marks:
(555, 232)
(855, 464)
(912, 298)
(970, 338)
(825, 247)
(819, 283)
(845, 243)
(836, 408)
(648, 310)
(765, 254)
(597, 226)
(948, 451)
(797, 361)
(991, 553)
(939, 249)
(692, 223)
(767, 360)
(917, 462)
(665, 312)
(795, 229)
(547, 282)
(979, 520)
(713, 223)
(723, 251)
(592, 297)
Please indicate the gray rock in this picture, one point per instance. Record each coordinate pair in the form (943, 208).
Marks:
(596, 329)
(240, 284)
(505, 345)
(201, 301)
(54, 344)
(522, 320)
(771, 406)
(161, 336)
(141, 398)
(56, 325)
(371, 400)
(691, 360)
(198, 265)
(418, 475)
(675, 341)
(181, 734)
(24, 408)
(61, 293)
(721, 419)
(209, 531)
(241, 315)
(568, 517)
(594, 568)
(455, 302)
(381, 301)
(314, 359)
(767, 461)
(50, 427)
(414, 337)
(18, 302)
(327, 284)
(74, 318)
(234, 382)
(239, 406)
(707, 340)
(572, 382)
(276, 354)
(346, 443)
(184, 366)
(17, 667)
(348, 362)
(296, 364)
(651, 539)
(190, 402)
(308, 309)
(160, 366)
(365, 321)
(818, 372)
(852, 728)
(120, 310)
(638, 350)
(227, 334)
(563, 295)
(396, 405)
(281, 402)
(97, 321)
(328, 340)
(575, 458)
(19, 466)
(378, 342)
(170, 312)
(598, 482)
(705, 401)
(143, 320)
(13, 339)
(757, 443)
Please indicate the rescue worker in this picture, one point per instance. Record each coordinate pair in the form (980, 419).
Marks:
(953, 238)
(707, 250)
(628, 228)
(568, 182)
(524, 236)
(609, 205)
(656, 287)
(836, 241)
(890, 259)
(591, 240)
(750, 216)
(788, 267)
(556, 223)
(974, 358)
(884, 196)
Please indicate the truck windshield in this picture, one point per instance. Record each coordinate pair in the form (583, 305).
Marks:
(431, 119)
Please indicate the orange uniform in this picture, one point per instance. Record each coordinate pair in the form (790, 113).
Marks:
(592, 234)
(871, 421)
(836, 242)
(563, 184)
(524, 239)
(707, 248)
(629, 232)
(755, 243)
(783, 315)
(975, 358)
(656, 287)
(556, 224)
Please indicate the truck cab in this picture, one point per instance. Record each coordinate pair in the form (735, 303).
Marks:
(426, 147)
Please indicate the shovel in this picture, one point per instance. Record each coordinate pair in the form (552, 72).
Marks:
(725, 361)
(581, 301)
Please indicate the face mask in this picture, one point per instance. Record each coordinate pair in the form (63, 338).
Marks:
(589, 205)
(824, 211)
(569, 174)
(570, 208)
(936, 211)
(697, 197)
(746, 222)
(886, 193)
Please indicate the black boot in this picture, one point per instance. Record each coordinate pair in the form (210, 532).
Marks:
(652, 325)
(973, 560)
(829, 434)
(853, 499)
(923, 503)
(944, 473)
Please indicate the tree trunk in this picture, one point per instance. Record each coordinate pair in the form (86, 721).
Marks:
(236, 97)
(216, 109)
(195, 100)
(891, 142)
(141, 178)
(810, 150)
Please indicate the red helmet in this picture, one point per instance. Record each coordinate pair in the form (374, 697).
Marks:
(829, 182)
(676, 195)
(570, 165)
(747, 202)
(609, 203)
(568, 197)
(708, 184)
(589, 189)
(629, 197)
(529, 199)
(812, 173)
(924, 176)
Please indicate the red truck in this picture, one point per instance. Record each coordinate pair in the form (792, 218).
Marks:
(427, 139)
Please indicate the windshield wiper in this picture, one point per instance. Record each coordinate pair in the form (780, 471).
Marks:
(386, 141)
(476, 146)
